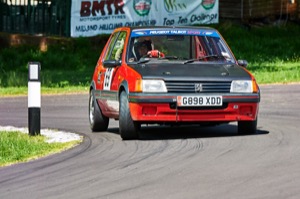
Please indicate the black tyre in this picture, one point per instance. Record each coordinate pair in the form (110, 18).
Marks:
(247, 127)
(98, 122)
(128, 128)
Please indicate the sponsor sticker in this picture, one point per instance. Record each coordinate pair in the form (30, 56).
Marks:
(142, 7)
(208, 4)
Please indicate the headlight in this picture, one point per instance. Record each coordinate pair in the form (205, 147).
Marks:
(151, 86)
(241, 86)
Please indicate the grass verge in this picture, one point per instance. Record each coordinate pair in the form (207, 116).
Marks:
(22, 91)
(19, 147)
(279, 72)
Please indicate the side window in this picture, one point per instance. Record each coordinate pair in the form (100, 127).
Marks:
(116, 47)
(119, 47)
(110, 47)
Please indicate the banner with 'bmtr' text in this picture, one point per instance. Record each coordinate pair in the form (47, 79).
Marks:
(93, 17)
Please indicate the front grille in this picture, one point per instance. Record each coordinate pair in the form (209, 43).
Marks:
(206, 87)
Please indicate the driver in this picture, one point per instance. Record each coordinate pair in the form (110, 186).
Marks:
(142, 46)
(145, 51)
(142, 50)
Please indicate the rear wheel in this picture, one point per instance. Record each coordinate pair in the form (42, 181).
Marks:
(247, 127)
(98, 122)
(127, 127)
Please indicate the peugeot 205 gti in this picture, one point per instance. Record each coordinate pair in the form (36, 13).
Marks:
(171, 75)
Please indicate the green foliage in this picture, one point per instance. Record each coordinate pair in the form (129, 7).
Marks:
(67, 64)
(261, 45)
(20, 147)
(273, 52)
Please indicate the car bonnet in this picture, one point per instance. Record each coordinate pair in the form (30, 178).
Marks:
(194, 70)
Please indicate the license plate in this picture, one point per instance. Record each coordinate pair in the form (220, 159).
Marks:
(199, 101)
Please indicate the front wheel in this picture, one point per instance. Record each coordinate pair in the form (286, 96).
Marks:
(127, 127)
(247, 127)
(98, 122)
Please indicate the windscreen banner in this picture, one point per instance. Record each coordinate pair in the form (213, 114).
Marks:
(93, 17)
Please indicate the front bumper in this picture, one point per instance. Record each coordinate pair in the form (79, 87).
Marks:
(163, 108)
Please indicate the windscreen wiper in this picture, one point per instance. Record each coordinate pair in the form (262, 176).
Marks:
(143, 60)
(204, 57)
(170, 57)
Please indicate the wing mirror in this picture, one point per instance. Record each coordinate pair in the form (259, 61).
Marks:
(111, 63)
(243, 63)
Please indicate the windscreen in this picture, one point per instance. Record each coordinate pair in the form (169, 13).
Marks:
(199, 46)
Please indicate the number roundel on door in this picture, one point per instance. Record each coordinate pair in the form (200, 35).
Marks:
(108, 78)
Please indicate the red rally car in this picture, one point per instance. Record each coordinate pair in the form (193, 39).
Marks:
(171, 75)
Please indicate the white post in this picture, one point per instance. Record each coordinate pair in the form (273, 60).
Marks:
(34, 98)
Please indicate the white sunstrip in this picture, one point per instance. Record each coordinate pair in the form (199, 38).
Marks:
(140, 33)
(108, 78)
(208, 33)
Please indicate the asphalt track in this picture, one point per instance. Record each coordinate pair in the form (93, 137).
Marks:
(184, 162)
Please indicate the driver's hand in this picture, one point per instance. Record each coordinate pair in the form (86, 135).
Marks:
(155, 54)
